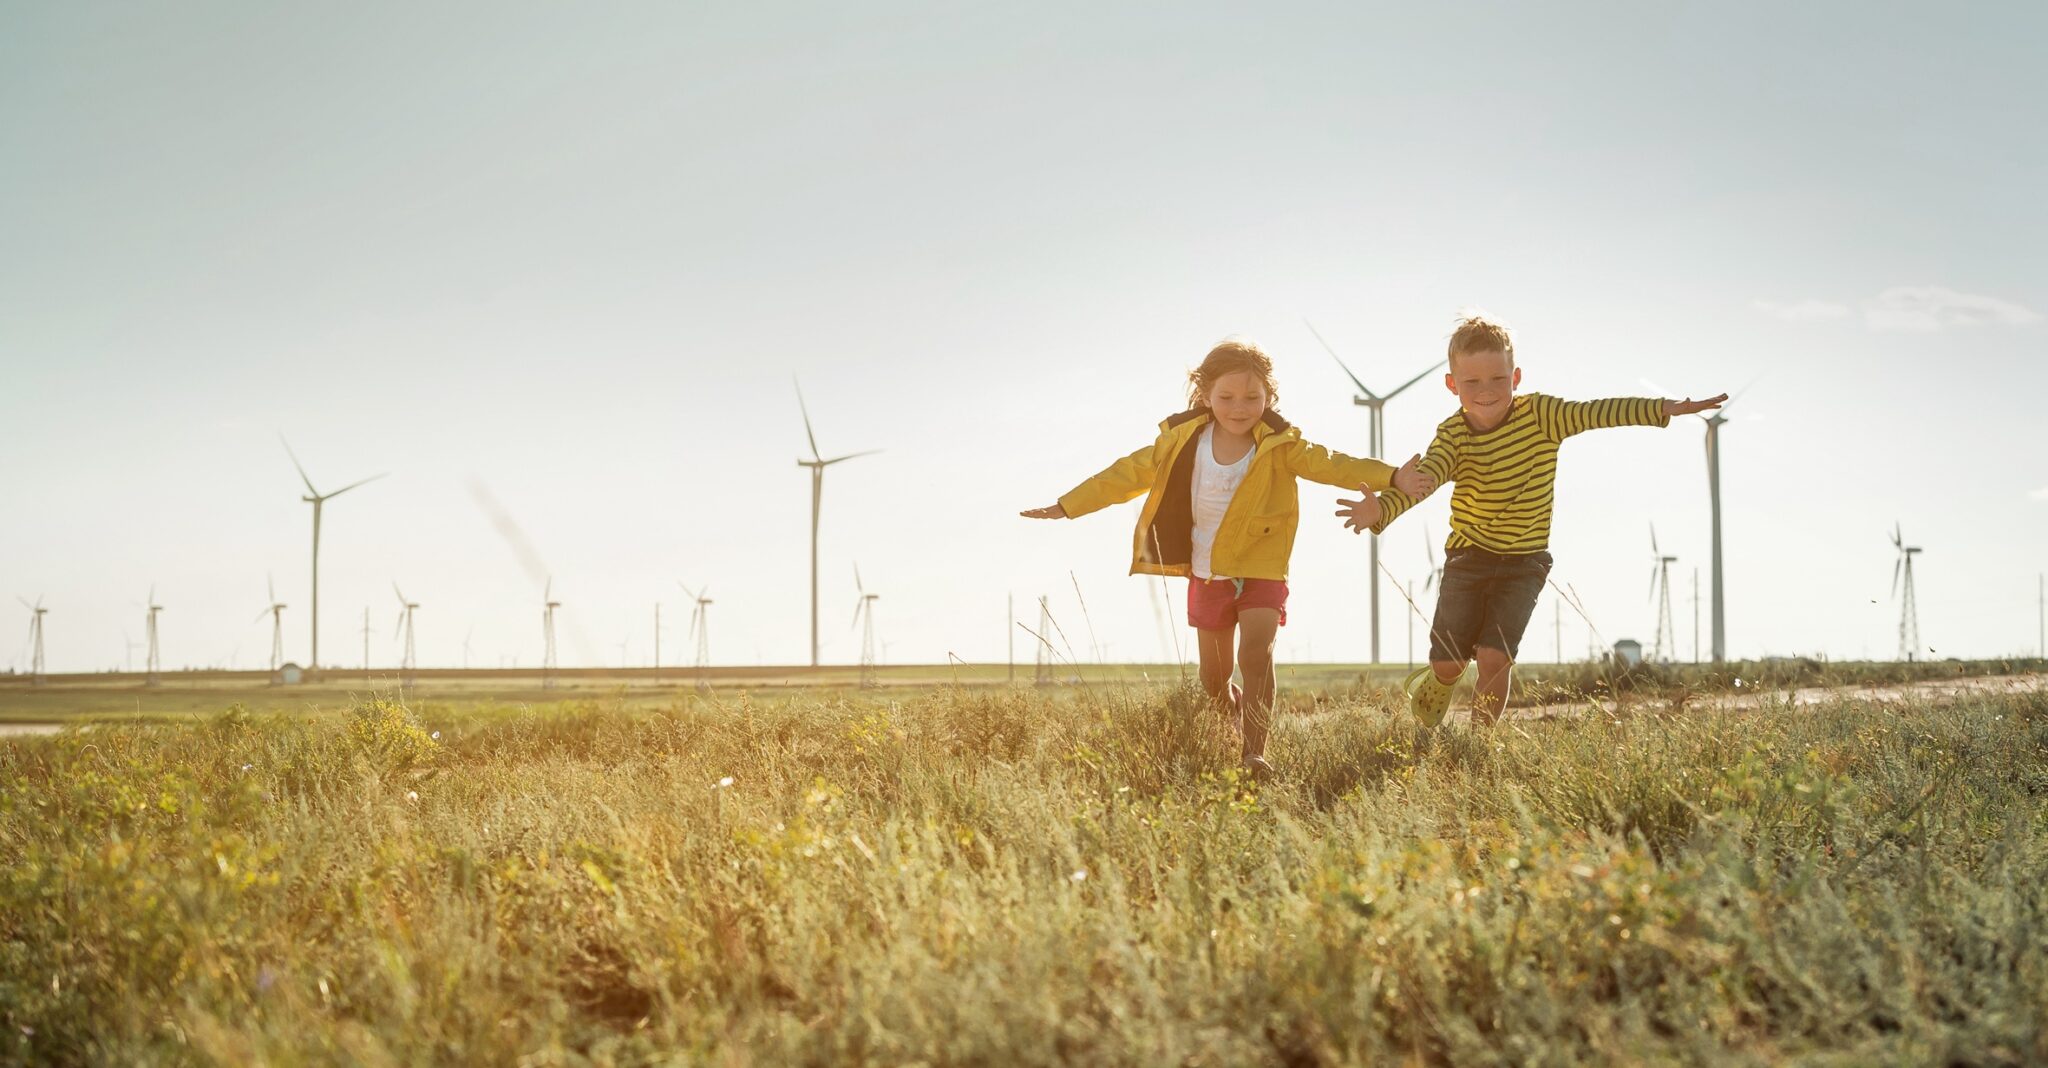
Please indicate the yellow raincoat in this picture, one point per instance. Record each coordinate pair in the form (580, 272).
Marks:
(1256, 536)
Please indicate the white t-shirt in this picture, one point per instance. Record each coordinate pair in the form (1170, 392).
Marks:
(1213, 486)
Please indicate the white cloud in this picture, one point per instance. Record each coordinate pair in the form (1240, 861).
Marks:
(1802, 311)
(1927, 308)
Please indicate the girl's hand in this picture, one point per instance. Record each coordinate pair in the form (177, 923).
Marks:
(1689, 406)
(1411, 481)
(1051, 511)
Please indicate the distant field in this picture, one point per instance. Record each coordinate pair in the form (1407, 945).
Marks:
(70, 697)
(1069, 876)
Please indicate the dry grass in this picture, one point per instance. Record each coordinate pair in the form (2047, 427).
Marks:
(999, 877)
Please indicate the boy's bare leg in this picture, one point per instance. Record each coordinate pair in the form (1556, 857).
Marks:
(1257, 629)
(1491, 689)
(1447, 672)
(1217, 665)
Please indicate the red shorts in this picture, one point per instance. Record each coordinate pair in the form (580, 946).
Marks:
(1213, 604)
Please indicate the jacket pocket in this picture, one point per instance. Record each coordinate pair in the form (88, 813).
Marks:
(1261, 525)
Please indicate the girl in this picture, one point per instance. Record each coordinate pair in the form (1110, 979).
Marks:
(1221, 509)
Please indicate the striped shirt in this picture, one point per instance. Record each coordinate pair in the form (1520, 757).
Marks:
(1506, 476)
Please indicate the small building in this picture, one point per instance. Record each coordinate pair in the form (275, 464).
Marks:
(289, 674)
(1628, 652)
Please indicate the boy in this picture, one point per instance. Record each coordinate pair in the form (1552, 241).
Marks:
(1501, 450)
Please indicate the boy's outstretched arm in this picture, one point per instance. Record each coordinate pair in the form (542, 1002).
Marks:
(1562, 418)
(1689, 406)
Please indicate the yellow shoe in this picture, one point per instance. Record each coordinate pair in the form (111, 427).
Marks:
(1428, 696)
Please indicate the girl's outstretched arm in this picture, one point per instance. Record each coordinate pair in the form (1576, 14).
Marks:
(1051, 511)
(1115, 484)
(1318, 464)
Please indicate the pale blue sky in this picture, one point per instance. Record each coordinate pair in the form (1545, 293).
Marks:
(579, 256)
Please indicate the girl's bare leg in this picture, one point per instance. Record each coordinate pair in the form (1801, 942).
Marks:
(1217, 665)
(1257, 629)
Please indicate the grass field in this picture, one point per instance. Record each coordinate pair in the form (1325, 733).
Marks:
(960, 875)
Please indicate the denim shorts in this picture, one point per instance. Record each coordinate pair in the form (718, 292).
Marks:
(1485, 600)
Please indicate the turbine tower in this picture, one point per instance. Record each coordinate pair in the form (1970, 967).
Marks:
(1909, 611)
(547, 626)
(864, 617)
(1714, 419)
(35, 634)
(317, 499)
(1660, 592)
(403, 624)
(1373, 403)
(154, 665)
(817, 463)
(700, 629)
(276, 614)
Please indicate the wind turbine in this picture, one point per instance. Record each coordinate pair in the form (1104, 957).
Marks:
(547, 625)
(1373, 403)
(154, 665)
(35, 634)
(817, 463)
(1660, 591)
(864, 617)
(317, 499)
(700, 629)
(1909, 611)
(276, 614)
(1714, 420)
(403, 624)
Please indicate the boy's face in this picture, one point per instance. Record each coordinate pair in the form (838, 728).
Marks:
(1485, 384)
(1237, 401)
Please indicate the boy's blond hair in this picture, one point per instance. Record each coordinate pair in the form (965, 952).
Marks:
(1480, 332)
(1231, 355)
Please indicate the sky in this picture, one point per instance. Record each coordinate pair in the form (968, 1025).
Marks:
(575, 258)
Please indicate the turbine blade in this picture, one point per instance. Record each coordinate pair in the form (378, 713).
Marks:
(547, 592)
(260, 615)
(805, 409)
(1654, 551)
(399, 592)
(856, 581)
(1426, 372)
(353, 485)
(850, 456)
(1340, 360)
(271, 581)
(303, 477)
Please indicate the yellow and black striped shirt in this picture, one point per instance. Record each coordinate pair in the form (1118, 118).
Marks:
(1506, 476)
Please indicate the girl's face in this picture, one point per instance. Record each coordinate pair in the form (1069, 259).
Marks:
(1237, 401)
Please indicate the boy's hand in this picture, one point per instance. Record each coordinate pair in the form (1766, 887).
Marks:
(1689, 406)
(1051, 511)
(1362, 514)
(1410, 480)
